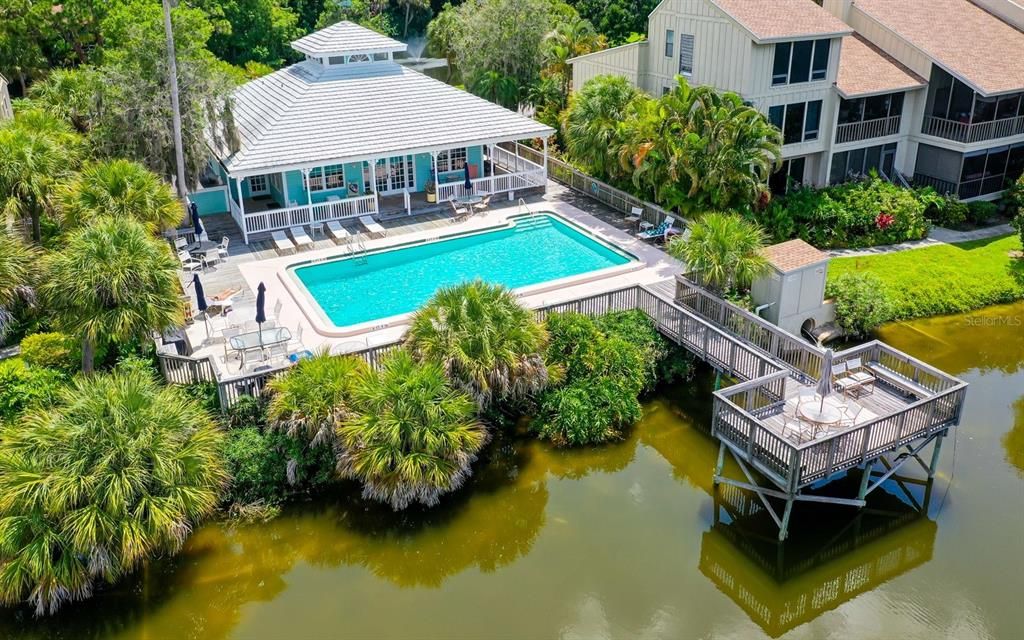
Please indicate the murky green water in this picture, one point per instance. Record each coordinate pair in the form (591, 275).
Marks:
(624, 542)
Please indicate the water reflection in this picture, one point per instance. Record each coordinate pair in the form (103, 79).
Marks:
(831, 556)
(1013, 441)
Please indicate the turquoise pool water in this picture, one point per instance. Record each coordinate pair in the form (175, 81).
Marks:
(533, 250)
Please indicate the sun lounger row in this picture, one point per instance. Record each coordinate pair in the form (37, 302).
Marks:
(300, 239)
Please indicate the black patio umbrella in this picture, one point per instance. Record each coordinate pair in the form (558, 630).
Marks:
(201, 301)
(261, 308)
(197, 224)
(469, 182)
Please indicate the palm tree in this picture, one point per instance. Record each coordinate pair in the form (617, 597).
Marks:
(312, 400)
(69, 94)
(497, 87)
(442, 33)
(120, 471)
(121, 189)
(413, 438)
(112, 281)
(590, 123)
(724, 249)
(17, 276)
(488, 344)
(36, 151)
(569, 39)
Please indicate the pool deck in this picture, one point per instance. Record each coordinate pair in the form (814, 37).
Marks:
(247, 266)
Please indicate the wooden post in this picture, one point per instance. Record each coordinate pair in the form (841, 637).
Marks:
(935, 455)
(784, 527)
(864, 480)
(720, 465)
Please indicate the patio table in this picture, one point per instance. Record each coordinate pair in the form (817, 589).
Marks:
(469, 200)
(821, 417)
(252, 341)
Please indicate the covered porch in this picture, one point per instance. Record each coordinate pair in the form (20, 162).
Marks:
(397, 185)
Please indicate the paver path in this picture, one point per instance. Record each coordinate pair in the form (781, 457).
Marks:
(939, 235)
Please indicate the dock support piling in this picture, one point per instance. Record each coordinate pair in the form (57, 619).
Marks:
(864, 480)
(935, 455)
(784, 527)
(720, 465)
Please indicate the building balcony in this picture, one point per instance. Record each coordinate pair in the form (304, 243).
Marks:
(867, 129)
(973, 132)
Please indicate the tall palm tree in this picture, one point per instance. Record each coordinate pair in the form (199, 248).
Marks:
(36, 151)
(724, 249)
(121, 189)
(120, 471)
(18, 274)
(313, 398)
(413, 438)
(488, 344)
(497, 87)
(569, 39)
(69, 94)
(590, 123)
(112, 281)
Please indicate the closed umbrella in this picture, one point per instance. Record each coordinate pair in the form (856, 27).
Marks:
(469, 181)
(261, 309)
(825, 383)
(197, 224)
(201, 301)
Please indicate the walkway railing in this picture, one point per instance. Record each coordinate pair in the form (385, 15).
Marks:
(497, 184)
(972, 132)
(878, 128)
(576, 180)
(277, 219)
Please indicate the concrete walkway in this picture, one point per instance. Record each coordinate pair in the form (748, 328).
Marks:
(938, 236)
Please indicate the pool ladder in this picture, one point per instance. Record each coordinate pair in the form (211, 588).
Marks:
(356, 248)
(525, 208)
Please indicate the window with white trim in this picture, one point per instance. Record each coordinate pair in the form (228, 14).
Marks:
(686, 42)
(451, 160)
(257, 184)
(314, 180)
(334, 176)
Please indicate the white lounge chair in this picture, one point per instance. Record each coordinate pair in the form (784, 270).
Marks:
(337, 232)
(282, 243)
(372, 226)
(302, 239)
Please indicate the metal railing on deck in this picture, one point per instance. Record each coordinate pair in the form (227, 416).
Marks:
(877, 128)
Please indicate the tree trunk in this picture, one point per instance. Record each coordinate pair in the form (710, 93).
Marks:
(172, 71)
(36, 215)
(88, 356)
(408, 11)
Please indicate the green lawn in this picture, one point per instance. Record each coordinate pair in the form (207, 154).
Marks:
(945, 279)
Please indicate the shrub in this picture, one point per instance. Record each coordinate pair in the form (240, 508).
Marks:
(861, 302)
(1018, 224)
(980, 212)
(666, 362)
(587, 411)
(121, 470)
(23, 387)
(50, 351)
(1013, 199)
(943, 210)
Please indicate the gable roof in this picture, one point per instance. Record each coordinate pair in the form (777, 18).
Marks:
(865, 70)
(959, 36)
(793, 255)
(346, 37)
(308, 115)
(772, 20)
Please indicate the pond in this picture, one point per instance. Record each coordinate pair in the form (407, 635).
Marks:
(624, 541)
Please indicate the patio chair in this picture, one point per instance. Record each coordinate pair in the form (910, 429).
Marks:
(302, 239)
(337, 232)
(227, 334)
(180, 243)
(860, 374)
(282, 243)
(841, 379)
(658, 231)
(484, 204)
(188, 263)
(636, 214)
(372, 226)
(850, 412)
(461, 211)
(222, 248)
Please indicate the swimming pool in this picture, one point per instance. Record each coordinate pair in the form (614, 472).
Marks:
(531, 251)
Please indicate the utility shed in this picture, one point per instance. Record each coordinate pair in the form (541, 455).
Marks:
(792, 294)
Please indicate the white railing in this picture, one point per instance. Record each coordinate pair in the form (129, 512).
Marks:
(878, 128)
(976, 132)
(503, 183)
(276, 219)
(514, 163)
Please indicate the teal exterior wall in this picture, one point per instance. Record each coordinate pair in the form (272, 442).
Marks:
(210, 201)
(295, 191)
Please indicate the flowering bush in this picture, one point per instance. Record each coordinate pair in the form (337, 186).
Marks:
(884, 221)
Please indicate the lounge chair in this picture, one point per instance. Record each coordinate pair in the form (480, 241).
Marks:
(658, 231)
(282, 243)
(302, 239)
(337, 232)
(484, 204)
(372, 226)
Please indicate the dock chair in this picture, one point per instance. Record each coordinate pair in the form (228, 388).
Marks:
(282, 243)
(850, 412)
(337, 232)
(188, 263)
(483, 205)
(461, 211)
(372, 226)
(658, 231)
(636, 214)
(302, 239)
(860, 374)
(841, 379)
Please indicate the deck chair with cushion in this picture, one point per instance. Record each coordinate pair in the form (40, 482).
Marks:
(841, 379)
(282, 243)
(658, 231)
(372, 226)
(337, 232)
(860, 374)
(302, 239)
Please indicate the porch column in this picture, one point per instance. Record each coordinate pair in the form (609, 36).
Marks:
(284, 189)
(545, 157)
(490, 156)
(241, 209)
(437, 178)
(309, 193)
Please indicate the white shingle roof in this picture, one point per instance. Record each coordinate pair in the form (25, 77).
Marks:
(345, 37)
(309, 115)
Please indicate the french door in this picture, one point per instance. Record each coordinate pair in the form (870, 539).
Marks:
(391, 175)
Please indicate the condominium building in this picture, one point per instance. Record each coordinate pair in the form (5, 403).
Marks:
(925, 90)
